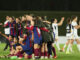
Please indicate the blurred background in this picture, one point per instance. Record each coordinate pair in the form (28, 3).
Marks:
(49, 8)
(40, 5)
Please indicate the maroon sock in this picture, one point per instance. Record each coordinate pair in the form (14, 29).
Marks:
(42, 53)
(20, 54)
(46, 54)
(54, 51)
(36, 52)
(30, 56)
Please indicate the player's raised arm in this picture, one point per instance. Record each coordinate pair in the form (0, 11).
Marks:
(47, 22)
(4, 35)
(61, 22)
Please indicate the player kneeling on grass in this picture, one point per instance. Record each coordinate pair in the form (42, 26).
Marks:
(26, 49)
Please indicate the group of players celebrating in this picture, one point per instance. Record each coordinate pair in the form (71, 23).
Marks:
(33, 36)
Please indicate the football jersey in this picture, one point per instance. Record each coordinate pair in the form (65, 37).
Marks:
(69, 29)
(55, 27)
(12, 28)
(74, 29)
(7, 29)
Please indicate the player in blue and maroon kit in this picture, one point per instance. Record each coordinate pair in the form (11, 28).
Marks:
(25, 46)
(12, 25)
(37, 36)
(29, 33)
(19, 28)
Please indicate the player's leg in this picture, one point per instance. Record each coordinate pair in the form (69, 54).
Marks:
(12, 51)
(53, 48)
(28, 54)
(46, 51)
(78, 44)
(17, 53)
(69, 45)
(65, 46)
(6, 45)
(49, 49)
(54, 51)
(39, 50)
(36, 51)
(42, 51)
(25, 56)
(72, 40)
(57, 43)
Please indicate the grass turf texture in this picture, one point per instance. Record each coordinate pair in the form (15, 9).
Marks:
(61, 55)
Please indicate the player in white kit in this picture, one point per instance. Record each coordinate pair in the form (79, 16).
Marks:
(55, 30)
(69, 35)
(75, 30)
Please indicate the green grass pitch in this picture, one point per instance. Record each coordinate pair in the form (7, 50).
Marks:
(61, 55)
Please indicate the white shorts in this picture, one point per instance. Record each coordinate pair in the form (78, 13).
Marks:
(55, 35)
(69, 36)
(7, 30)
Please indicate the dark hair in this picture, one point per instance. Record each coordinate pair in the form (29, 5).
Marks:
(68, 20)
(73, 17)
(53, 19)
(19, 18)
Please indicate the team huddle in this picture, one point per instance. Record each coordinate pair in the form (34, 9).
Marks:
(33, 36)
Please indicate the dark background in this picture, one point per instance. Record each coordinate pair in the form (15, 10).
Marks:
(39, 5)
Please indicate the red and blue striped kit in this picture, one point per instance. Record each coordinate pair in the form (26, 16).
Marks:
(20, 32)
(12, 28)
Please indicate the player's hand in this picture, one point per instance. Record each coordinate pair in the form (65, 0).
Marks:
(62, 18)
